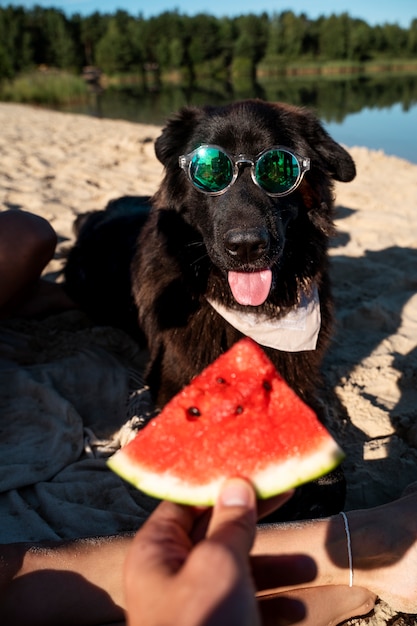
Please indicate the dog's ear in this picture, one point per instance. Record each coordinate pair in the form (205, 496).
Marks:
(337, 160)
(331, 156)
(176, 134)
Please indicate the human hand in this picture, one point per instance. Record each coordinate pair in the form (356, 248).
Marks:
(171, 580)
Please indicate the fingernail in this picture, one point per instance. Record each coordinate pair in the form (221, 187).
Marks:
(236, 492)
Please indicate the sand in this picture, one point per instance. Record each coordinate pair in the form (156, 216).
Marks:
(59, 165)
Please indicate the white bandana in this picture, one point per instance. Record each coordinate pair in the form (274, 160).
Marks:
(298, 330)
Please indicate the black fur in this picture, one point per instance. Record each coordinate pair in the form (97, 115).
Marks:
(181, 257)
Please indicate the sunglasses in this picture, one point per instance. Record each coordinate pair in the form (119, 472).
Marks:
(277, 170)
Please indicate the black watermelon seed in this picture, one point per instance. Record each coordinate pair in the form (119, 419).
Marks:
(193, 411)
(220, 380)
(267, 385)
(239, 410)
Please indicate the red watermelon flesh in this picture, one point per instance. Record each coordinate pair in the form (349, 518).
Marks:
(237, 418)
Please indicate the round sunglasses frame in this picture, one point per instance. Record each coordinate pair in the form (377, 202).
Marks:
(185, 162)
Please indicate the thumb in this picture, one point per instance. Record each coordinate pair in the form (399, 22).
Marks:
(233, 521)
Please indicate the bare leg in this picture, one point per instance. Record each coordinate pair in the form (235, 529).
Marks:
(27, 244)
(324, 606)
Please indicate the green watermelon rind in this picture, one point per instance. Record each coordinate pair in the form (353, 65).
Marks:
(273, 480)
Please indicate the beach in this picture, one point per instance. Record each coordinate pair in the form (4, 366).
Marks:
(61, 165)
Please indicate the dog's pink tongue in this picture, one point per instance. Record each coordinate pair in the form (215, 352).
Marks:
(250, 288)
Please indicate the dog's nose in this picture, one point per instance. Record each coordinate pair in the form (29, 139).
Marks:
(248, 244)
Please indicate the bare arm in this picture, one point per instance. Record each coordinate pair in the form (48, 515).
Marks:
(77, 582)
(384, 548)
(309, 538)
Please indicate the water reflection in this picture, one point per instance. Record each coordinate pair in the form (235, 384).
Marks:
(337, 98)
(334, 99)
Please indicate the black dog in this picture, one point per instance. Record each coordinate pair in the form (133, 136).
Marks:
(235, 243)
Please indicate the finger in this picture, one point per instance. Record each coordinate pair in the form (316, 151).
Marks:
(199, 530)
(274, 572)
(264, 507)
(233, 521)
(163, 543)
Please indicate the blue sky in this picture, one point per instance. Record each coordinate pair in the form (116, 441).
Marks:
(372, 11)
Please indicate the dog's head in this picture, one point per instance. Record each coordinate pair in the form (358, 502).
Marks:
(257, 233)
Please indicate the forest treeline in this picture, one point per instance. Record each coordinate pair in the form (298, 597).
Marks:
(204, 45)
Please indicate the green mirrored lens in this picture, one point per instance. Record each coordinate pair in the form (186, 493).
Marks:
(277, 171)
(211, 169)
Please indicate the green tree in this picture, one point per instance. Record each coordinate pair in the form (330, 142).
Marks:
(227, 33)
(15, 45)
(361, 41)
(59, 45)
(165, 40)
(6, 48)
(252, 37)
(334, 37)
(203, 43)
(288, 35)
(203, 38)
(395, 40)
(120, 48)
(412, 39)
(93, 28)
(75, 31)
(176, 52)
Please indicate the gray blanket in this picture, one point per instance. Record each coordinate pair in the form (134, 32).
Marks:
(70, 395)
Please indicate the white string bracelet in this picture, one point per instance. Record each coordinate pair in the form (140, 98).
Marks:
(349, 547)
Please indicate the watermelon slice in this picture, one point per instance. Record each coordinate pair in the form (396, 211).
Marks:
(237, 418)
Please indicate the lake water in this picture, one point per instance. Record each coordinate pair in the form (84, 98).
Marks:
(379, 111)
(392, 130)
